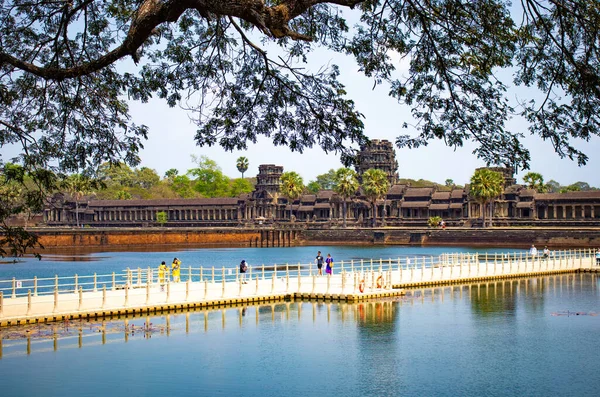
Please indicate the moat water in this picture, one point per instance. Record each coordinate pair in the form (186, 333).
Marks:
(535, 337)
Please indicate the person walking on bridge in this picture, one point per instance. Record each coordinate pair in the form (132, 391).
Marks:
(319, 262)
(162, 272)
(329, 268)
(243, 270)
(533, 251)
(176, 270)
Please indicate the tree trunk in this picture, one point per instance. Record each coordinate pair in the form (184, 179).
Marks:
(483, 209)
(77, 212)
(491, 212)
(373, 215)
(344, 209)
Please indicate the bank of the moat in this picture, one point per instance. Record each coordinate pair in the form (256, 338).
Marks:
(274, 237)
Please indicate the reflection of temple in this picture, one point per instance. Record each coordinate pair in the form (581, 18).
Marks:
(403, 205)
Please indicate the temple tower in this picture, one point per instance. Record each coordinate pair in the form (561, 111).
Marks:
(380, 155)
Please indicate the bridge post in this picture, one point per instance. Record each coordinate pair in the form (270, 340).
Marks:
(55, 300)
(187, 289)
(95, 283)
(223, 282)
(287, 278)
(103, 295)
(114, 281)
(328, 282)
(273, 282)
(263, 271)
(14, 288)
(201, 274)
(139, 276)
(168, 292)
(126, 296)
(35, 286)
(147, 292)
(299, 277)
(256, 290)
(80, 298)
(213, 274)
(28, 301)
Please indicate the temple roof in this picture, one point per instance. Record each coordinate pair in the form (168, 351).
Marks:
(457, 194)
(415, 204)
(165, 202)
(441, 196)
(418, 192)
(591, 194)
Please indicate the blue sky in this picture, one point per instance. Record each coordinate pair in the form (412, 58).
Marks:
(171, 141)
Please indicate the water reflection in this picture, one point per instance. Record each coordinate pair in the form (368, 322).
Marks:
(376, 322)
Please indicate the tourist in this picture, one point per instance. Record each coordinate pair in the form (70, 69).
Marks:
(243, 270)
(319, 262)
(533, 251)
(329, 267)
(162, 271)
(546, 252)
(176, 269)
(598, 257)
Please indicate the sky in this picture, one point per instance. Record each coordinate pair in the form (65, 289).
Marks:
(171, 141)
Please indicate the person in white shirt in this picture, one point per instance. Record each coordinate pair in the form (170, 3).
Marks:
(533, 251)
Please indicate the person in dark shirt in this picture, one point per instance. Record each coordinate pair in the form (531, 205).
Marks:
(319, 262)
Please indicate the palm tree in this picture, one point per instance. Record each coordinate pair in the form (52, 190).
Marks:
(485, 186)
(346, 186)
(78, 186)
(534, 180)
(292, 187)
(242, 165)
(375, 185)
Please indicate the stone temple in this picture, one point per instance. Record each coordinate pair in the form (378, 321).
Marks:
(403, 205)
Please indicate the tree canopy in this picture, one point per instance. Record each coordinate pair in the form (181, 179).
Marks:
(63, 82)
(69, 68)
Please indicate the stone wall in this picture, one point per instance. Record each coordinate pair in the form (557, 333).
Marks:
(144, 237)
(496, 237)
(265, 237)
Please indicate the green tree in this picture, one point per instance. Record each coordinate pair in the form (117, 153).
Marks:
(375, 186)
(327, 181)
(209, 179)
(239, 186)
(570, 188)
(553, 186)
(346, 185)
(292, 187)
(171, 174)
(124, 195)
(162, 218)
(449, 183)
(78, 186)
(146, 178)
(485, 186)
(535, 180)
(313, 187)
(183, 186)
(242, 165)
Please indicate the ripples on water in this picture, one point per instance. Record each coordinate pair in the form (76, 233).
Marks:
(496, 338)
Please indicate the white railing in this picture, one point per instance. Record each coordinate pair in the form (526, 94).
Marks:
(143, 288)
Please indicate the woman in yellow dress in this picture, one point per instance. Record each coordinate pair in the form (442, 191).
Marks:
(176, 269)
(162, 272)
